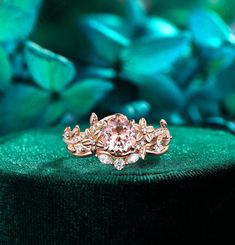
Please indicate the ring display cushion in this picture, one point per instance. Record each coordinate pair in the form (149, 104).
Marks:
(50, 197)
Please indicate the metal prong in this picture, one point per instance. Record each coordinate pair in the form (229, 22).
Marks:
(163, 123)
(93, 119)
(67, 129)
(143, 122)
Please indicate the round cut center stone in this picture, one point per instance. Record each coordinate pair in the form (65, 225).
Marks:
(119, 136)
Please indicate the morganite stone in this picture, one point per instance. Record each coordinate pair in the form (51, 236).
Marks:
(119, 136)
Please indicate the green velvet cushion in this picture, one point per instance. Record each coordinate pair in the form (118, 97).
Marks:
(50, 197)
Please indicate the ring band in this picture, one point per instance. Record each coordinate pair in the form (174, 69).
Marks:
(117, 140)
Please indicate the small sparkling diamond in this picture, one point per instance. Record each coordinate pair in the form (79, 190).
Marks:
(133, 158)
(79, 147)
(76, 139)
(119, 164)
(105, 159)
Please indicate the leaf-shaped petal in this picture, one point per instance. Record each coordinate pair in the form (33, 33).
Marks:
(112, 21)
(17, 18)
(161, 92)
(21, 107)
(52, 113)
(105, 40)
(151, 54)
(99, 72)
(49, 70)
(149, 137)
(209, 29)
(143, 152)
(84, 95)
(202, 103)
(160, 28)
(142, 122)
(93, 118)
(5, 70)
(222, 84)
(135, 12)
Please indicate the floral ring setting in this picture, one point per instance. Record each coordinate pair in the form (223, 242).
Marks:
(117, 140)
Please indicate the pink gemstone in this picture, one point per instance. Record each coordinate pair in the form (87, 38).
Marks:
(119, 136)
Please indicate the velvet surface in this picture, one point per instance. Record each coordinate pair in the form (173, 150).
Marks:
(50, 197)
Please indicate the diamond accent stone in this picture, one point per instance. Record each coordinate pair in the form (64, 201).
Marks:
(79, 147)
(105, 159)
(119, 164)
(76, 139)
(133, 158)
(119, 136)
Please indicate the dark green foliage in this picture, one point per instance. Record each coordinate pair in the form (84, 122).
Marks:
(5, 71)
(131, 61)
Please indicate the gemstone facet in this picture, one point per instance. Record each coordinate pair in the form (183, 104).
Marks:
(119, 163)
(79, 147)
(119, 136)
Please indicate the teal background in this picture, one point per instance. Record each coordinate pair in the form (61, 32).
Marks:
(61, 60)
(172, 60)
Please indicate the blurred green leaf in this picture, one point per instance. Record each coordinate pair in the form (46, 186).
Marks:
(84, 95)
(209, 29)
(100, 72)
(222, 123)
(203, 107)
(179, 16)
(135, 109)
(150, 55)
(230, 104)
(202, 103)
(106, 41)
(161, 93)
(185, 70)
(222, 84)
(225, 8)
(122, 94)
(160, 28)
(17, 18)
(5, 70)
(112, 21)
(52, 113)
(21, 106)
(135, 12)
(50, 71)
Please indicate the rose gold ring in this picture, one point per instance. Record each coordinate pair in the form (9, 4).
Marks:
(117, 140)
